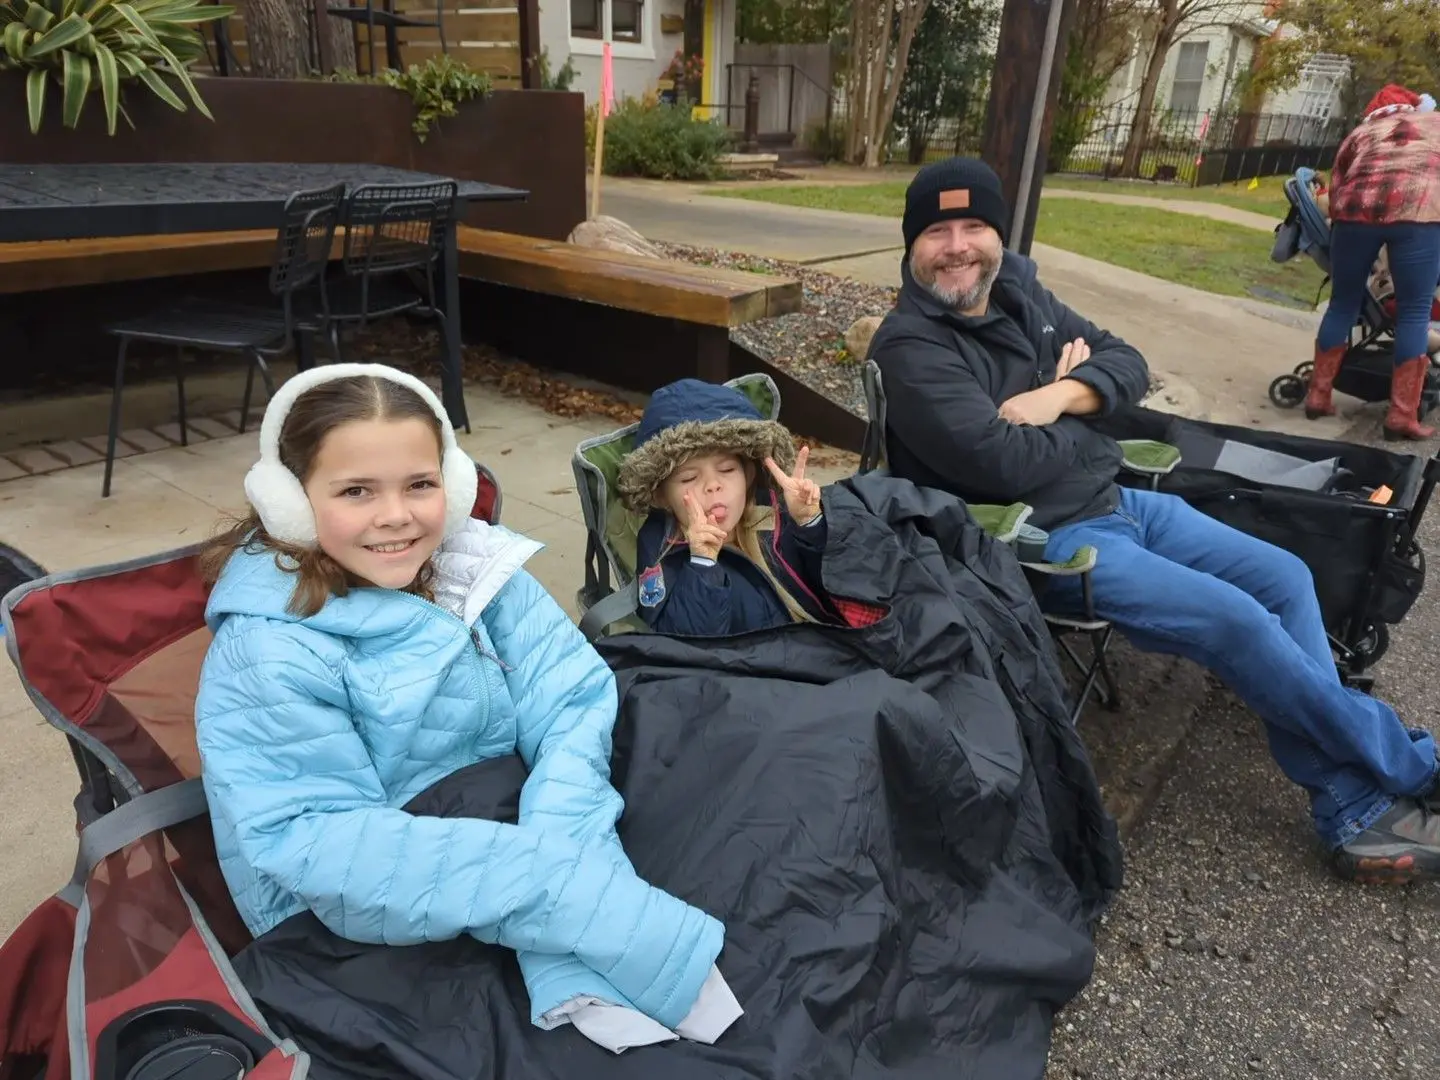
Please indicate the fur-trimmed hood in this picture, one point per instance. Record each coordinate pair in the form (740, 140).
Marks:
(691, 417)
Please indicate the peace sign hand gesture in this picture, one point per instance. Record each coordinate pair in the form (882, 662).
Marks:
(704, 536)
(802, 496)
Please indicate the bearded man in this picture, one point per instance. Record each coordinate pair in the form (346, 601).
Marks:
(992, 386)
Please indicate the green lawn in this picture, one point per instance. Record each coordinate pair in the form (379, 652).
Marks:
(1231, 260)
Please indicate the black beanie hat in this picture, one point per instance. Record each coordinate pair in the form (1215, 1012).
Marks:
(956, 188)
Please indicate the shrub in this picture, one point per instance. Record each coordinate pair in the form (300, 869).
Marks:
(644, 137)
(104, 46)
(438, 88)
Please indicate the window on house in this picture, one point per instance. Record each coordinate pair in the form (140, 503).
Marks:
(1189, 76)
(585, 18)
(588, 18)
(625, 20)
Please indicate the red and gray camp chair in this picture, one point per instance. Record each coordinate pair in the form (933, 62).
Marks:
(124, 974)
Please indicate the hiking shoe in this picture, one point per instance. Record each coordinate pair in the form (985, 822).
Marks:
(1402, 846)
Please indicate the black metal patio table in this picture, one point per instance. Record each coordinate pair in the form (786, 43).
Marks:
(73, 202)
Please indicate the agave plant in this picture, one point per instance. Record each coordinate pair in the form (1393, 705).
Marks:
(84, 43)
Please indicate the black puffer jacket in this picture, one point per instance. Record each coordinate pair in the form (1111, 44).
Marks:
(947, 374)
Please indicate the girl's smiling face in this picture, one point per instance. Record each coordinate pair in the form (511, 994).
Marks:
(379, 503)
(719, 484)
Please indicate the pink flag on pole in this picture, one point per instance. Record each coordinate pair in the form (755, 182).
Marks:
(607, 80)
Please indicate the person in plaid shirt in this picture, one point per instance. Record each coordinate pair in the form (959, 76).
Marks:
(1384, 191)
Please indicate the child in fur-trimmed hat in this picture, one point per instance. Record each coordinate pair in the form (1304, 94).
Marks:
(712, 558)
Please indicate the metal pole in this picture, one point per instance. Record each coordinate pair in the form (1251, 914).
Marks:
(1037, 121)
(751, 143)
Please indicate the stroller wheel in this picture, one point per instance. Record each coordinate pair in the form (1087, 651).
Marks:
(1287, 391)
(1304, 370)
(1370, 646)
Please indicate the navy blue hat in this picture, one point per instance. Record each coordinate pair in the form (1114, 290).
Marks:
(690, 417)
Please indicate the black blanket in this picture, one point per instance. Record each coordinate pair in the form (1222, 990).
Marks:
(896, 824)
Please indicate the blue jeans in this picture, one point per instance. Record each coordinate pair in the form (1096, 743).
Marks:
(1414, 252)
(1173, 580)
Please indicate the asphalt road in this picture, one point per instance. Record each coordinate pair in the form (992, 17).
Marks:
(1232, 950)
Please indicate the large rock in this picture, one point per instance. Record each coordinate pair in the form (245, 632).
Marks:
(611, 234)
(858, 337)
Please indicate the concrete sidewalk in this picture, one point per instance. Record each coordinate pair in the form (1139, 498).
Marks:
(1218, 211)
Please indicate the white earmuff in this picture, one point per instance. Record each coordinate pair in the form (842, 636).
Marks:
(277, 494)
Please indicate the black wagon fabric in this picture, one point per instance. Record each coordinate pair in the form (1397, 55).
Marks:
(897, 825)
(1364, 570)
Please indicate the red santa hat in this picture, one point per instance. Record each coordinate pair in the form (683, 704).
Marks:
(1390, 96)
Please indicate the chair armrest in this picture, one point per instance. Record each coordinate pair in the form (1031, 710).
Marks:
(1000, 522)
(1149, 458)
(1082, 562)
(618, 607)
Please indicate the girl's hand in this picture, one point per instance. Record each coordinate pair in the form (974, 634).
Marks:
(704, 536)
(802, 496)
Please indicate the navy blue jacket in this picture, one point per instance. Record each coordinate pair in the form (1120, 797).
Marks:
(687, 599)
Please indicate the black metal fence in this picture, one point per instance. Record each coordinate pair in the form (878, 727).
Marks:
(1192, 147)
(942, 137)
(1181, 147)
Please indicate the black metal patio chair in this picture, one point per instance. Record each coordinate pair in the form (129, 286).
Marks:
(302, 253)
(394, 239)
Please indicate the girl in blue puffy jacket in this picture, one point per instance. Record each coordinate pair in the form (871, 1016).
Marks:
(371, 639)
(713, 560)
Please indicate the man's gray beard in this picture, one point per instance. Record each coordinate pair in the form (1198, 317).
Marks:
(954, 298)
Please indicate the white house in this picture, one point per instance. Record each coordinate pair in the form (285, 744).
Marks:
(645, 35)
(1202, 69)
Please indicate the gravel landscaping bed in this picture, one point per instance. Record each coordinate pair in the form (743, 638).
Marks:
(810, 345)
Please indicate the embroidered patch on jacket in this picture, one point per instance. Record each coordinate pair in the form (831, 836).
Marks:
(955, 199)
(652, 587)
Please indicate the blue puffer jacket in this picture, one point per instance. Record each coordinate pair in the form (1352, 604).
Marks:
(314, 732)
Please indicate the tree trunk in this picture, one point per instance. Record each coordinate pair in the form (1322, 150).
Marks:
(275, 35)
(909, 22)
(279, 40)
(875, 83)
(1140, 126)
(857, 91)
(341, 39)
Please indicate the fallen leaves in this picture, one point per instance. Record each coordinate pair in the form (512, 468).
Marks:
(404, 345)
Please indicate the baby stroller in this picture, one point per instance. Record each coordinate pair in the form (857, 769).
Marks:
(1365, 371)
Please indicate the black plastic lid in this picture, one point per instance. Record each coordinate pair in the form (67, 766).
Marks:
(195, 1057)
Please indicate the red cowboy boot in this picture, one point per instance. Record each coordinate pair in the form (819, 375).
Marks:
(1406, 385)
(1322, 380)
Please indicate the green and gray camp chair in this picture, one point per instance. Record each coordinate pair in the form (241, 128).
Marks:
(1007, 524)
(609, 597)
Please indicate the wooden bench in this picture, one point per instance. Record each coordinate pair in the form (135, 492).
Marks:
(623, 319)
(57, 264)
(706, 300)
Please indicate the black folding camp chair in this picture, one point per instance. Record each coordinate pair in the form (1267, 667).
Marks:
(1008, 524)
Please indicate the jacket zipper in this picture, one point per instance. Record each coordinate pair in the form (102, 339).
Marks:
(475, 640)
(474, 636)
